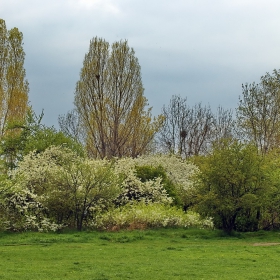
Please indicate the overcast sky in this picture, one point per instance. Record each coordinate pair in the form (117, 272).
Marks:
(200, 49)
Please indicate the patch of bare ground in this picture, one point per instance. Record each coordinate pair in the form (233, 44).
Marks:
(266, 244)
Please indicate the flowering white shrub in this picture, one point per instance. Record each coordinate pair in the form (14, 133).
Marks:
(71, 188)
(179, 171)
(21, 210)
(133, 189)
(153, 215)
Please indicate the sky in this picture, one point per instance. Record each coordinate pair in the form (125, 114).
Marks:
(200, 49)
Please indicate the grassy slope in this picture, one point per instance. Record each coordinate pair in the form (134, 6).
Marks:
(153, 254)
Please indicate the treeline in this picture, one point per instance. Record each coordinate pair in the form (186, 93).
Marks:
(113, 165)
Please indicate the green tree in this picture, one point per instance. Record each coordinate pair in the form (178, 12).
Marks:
(13, 84)
(110, 102)
(231, 186)
(258, 112)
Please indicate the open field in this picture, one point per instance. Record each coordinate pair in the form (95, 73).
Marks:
(151, 254)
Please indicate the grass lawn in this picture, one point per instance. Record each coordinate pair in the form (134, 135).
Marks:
(152, 254)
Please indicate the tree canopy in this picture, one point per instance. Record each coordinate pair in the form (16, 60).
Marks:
(31, 136)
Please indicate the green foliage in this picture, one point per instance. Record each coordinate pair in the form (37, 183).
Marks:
(179, 174)
(270, 218)
(70, 190)
(21, 209)
(231, 186)
(13, 84)
(133, 188)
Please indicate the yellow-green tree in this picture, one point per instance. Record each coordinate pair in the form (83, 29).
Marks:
(110, 102)
(13, 84)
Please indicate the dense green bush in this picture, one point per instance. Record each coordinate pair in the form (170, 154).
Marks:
(58, 187)
(232, 186)
(133, 188)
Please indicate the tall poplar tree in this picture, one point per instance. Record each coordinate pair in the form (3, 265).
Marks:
(110, 102)
(13, 84)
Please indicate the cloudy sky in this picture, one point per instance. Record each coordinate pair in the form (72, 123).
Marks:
(200, 49)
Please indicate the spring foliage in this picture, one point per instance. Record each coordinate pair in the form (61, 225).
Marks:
(259, 112)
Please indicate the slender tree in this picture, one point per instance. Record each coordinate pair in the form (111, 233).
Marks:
(13, 84)
(110, 102)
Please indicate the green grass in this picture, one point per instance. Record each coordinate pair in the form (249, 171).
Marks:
(152, 254)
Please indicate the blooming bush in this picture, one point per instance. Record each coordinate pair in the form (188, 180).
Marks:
(178, 171)
(148, 172)
(133, 189)
(21, 210)
(71, 188)
(153, 215)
